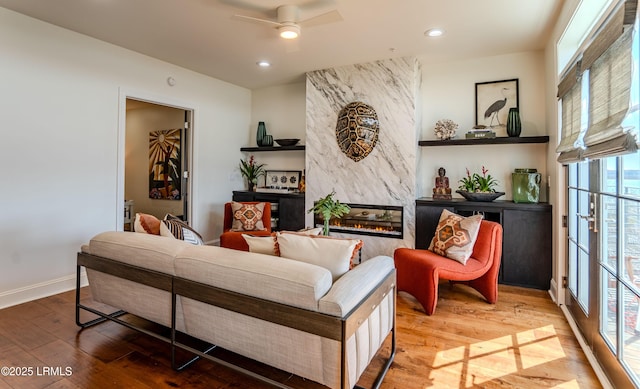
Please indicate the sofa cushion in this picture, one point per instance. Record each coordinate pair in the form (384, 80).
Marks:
(455, 236)
(177, 229)
(334, 254)
(146, 224)
(247, 217)
(149, 251)
(353, 287)
(272, 278)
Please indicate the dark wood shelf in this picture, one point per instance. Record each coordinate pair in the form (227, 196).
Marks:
(495, 204)
(489, 141)
(273, 148)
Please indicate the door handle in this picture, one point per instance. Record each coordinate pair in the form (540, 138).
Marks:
(591, 217)
(588, 218)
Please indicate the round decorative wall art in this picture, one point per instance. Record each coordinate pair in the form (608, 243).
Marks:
(357, 130)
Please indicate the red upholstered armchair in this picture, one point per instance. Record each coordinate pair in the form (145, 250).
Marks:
(233, 239)
(419, 271)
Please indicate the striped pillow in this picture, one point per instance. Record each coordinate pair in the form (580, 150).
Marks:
(180, 230)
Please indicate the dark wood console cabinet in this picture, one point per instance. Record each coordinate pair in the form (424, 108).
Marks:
(526, 243)
(287, 209)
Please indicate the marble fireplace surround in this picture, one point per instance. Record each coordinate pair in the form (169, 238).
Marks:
(387, 176)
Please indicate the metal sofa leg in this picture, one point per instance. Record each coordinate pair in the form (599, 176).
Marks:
(103, 316)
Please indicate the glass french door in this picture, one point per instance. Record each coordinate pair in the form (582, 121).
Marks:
(581, 239)
(604, 262)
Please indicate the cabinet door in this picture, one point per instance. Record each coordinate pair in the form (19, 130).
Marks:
(526, 245)
(291, 213)
(427, 217)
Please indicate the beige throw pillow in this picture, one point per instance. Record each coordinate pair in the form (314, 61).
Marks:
(334, 254)
(261, 244)
(455, 236)
(269, 244)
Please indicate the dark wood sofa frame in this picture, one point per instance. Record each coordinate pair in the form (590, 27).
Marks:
(316, 323)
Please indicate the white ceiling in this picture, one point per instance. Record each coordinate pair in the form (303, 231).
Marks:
(202, 35)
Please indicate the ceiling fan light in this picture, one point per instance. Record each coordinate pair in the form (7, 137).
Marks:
(291, 31)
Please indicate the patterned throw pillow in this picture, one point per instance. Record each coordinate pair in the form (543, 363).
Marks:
(247, 217)
(455, 236)
(146, 224)
(180, 230)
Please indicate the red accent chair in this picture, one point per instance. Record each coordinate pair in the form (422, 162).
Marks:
(233, 239)
(419, 271)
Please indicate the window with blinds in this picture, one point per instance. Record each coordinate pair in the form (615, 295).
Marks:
(611, 93)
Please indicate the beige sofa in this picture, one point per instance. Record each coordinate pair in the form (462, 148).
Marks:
(285, 313)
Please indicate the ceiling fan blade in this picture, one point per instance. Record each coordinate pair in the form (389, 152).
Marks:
(327, 17)
(251, 19)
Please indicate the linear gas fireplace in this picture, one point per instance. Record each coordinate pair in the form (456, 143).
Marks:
(375, 220)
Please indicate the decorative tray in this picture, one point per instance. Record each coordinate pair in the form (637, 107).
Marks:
(480, 196)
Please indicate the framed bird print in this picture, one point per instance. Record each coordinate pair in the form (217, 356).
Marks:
(493, 100)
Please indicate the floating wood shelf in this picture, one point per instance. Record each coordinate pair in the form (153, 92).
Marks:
(273, 148)
(485, 141)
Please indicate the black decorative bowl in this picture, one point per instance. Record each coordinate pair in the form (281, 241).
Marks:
(287, 142)
(480, 196)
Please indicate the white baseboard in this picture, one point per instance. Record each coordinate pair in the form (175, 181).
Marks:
(604, 381)
(553, 291)
(43, 289)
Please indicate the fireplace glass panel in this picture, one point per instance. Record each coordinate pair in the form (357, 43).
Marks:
(376, 220)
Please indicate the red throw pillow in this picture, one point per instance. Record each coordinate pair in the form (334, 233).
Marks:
(147, 224)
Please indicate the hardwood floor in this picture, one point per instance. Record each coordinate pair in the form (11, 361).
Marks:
(523, 341)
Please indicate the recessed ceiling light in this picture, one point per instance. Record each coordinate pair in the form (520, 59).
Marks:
(434, 32)
(263, 64)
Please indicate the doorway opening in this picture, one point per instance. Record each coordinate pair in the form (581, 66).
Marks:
(156, 161)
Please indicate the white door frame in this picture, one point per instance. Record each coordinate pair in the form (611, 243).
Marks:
(123, 95)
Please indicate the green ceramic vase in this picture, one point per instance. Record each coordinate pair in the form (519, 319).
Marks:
(526, 185)
(261, 133)
(514, 126)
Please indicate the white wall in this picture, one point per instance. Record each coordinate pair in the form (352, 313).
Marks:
(282, 108)
(59, 114)
(448, 92)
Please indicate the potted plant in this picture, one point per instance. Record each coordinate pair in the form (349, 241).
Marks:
(251, 171)
(328, 207)
(478, 187)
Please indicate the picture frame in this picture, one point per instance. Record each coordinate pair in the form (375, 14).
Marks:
(493, 100)
(165, 164)
(282, 179)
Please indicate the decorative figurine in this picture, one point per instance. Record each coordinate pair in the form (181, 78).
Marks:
(442, 190)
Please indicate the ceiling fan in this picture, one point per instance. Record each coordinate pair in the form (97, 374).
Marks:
(288, 22)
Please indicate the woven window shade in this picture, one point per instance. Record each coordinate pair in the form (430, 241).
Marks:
(610, 79)
(570, 142)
